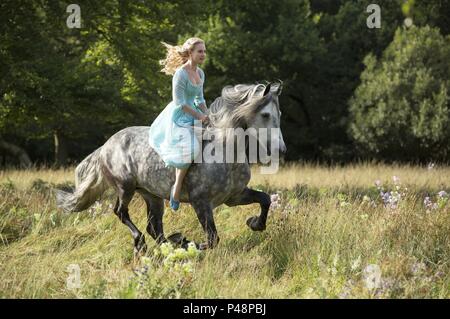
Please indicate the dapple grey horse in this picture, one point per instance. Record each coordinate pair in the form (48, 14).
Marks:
(127, 163)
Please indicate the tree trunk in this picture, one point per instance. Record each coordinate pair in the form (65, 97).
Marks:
(16, 151)
(60, 149)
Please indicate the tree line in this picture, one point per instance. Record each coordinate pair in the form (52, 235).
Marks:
(350, 92)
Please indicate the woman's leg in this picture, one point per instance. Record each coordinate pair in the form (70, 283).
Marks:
(179, 176)
(181, 172)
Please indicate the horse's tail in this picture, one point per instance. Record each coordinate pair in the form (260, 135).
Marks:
(89, 185)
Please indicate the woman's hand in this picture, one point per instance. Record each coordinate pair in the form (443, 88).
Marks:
(204, 118)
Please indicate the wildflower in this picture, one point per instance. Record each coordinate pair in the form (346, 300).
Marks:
(274, 201)
(387, 198)
(391, 199)
(166, 249)
(192, 250)
(396, 179)
(274, 197)
(141, 276)
(418, 268)
(96, 208)
(442, 194)
(187, 268)
(378, 183)
(168, 263)
(427, 202)
(431, 166)
(342, 200)
(429, 205)
(385, 285)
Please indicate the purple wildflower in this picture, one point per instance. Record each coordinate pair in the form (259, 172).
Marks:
(442, 194)
(429, 205)
(275, 201)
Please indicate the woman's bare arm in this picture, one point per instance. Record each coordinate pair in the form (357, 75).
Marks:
(194, 113)
(203, 107)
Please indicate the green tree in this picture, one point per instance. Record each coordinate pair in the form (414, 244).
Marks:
(401, 108)
(431, 12)
(257, 41)
(348, 40)
(79, 86)
(48, 92)
(315, 47)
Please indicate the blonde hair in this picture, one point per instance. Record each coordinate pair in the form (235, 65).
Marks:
(177, 55)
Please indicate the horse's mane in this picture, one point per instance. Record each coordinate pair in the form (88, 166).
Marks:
(236, 105)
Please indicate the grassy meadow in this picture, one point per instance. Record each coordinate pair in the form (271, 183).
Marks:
(358, 231)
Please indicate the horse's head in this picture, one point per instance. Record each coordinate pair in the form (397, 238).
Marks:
(255, 109)
(265, 117)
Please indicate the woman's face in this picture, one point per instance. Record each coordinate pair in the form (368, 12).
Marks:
(198, 54)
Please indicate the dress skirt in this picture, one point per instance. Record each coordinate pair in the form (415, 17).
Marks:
(173, 137)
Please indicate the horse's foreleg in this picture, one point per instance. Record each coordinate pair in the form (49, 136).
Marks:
(205, 216)
(250, 196)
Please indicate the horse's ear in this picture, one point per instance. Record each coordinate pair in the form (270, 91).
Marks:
(267, 90)
(280, 87)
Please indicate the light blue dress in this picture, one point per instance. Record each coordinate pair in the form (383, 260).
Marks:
(171, 134)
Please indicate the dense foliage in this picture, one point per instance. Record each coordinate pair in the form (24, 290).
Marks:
(65, 91)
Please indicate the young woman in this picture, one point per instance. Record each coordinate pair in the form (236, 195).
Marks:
(172, 132)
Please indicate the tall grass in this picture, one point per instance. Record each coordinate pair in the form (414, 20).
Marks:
(330, 235)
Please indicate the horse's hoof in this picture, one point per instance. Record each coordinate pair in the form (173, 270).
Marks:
(253, 223)
(202, 246)
(140, 250)
(178, 239)
(140, 247)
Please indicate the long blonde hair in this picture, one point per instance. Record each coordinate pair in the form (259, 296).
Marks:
(177, 55)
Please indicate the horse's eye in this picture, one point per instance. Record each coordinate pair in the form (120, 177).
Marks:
(265, 116)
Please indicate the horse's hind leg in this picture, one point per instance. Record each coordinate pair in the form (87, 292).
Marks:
(249, 196)
(205, 216)
(126, 192)
(155, 212)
